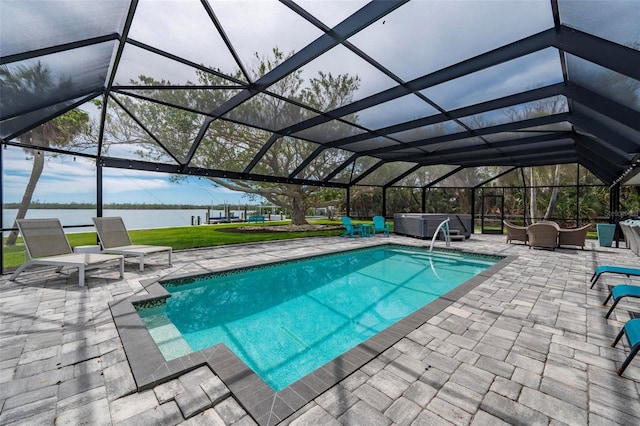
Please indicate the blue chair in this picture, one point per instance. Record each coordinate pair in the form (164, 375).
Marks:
(613, 270)
(379, 225)
(632, 330)
(351, 229)
(618, 292)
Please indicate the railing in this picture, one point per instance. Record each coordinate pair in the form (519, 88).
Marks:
(444, 227)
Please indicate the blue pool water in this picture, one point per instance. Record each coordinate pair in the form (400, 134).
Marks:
(287, 320)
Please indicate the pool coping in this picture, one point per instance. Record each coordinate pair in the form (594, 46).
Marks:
(267, 407)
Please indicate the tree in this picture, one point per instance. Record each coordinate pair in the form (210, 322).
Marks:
(24, 83)
(229, 145)
(541, 108)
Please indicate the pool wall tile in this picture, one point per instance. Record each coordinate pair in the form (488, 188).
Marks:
(265, 405)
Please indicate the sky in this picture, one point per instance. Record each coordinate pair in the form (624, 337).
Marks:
(66, 181)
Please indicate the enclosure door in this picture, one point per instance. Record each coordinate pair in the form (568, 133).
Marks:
(492, 214)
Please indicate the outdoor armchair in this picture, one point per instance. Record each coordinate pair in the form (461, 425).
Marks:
(114, 238)
(573, 237)
(543, 234)
(350, 228)
(379, 225)
(515, 232)
(46, 244)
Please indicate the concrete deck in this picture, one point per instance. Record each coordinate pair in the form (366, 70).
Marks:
(529, 345)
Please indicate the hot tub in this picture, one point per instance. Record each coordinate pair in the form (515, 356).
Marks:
(424, 225)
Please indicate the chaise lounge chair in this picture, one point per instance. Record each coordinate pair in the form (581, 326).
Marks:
(632, 330)
(114, 238)
(618, 292)
(379, 225)
(46, 244)
(613, 270)
(350, 228)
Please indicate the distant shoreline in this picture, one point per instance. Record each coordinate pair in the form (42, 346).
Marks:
(121, 206)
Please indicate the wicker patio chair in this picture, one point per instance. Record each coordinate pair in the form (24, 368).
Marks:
(543, 234)
(573, 237)
(515, 232)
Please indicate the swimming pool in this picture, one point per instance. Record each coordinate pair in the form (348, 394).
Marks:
(286, 320)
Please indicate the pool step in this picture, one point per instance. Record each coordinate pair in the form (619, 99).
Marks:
(454, 235)
(170, 341)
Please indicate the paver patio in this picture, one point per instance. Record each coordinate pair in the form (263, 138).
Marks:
(530, 345)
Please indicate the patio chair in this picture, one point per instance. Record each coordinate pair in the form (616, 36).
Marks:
(635, 233)
(114, 238)
(629, 238)
(46, 244)
(515, 232)
(573, 237)
(632, 330)
(618, 292)
(631, 231)
(379, 225)
(613, 269)
(350, 228)
(543, 234)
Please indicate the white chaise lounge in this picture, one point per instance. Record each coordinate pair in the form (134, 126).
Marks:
(46, 244)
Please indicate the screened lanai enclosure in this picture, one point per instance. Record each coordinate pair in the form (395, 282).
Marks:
(372, 107)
